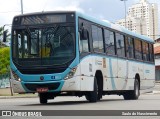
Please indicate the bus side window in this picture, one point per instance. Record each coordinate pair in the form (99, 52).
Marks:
(151, 54)
(109, 42)
(138, 49)
(145, 51)
(129, 47)
(120, 45)
(97, 39)
(84, 40)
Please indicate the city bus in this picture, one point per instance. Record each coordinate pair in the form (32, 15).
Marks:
(68, 53)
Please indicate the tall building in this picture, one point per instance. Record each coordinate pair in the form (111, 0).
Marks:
(142, 18)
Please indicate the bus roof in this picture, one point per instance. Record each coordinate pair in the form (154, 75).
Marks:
(43, 12)
(114, 26)
(100, 22)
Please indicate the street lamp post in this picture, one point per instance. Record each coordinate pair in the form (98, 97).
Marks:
(21, 6)
(125, 11)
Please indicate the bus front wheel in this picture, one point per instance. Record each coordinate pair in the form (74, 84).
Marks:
(43, 98)
(92, 96)
(133, 94)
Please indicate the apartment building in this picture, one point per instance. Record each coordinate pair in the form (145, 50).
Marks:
(142, 18)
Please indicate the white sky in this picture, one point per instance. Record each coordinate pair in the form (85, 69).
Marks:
(111, 10)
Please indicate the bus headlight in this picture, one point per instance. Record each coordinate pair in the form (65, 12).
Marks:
(15, 76)
(71, 73)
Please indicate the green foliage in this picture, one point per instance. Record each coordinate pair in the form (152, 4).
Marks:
(4, 60)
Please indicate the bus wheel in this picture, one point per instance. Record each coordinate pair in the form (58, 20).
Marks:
(92, 96)
(134, 94)
(43, 98)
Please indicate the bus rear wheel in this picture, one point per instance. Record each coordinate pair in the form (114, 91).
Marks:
(134, 94)
(43, 98)
(92, 96)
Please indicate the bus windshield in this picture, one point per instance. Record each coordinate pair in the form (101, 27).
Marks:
(43, 46)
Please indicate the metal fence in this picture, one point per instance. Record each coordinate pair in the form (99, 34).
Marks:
(4, 80)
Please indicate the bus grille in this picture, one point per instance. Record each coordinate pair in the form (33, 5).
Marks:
(41, 71)
(33, 87)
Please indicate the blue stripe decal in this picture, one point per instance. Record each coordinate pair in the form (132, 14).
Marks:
(111, 75)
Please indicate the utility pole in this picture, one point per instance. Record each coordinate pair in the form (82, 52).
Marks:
(21, 6)
(125, 11)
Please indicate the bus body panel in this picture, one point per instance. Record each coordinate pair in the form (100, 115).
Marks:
(16, 85)
(121, 74)
(127, 71)
(74, 83)
(84, 81)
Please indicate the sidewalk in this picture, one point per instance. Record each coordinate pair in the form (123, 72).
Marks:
(20, 96)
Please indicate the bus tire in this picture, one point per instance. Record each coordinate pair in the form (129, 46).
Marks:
(100, 90)
(134, 94)
(43, 98)
(92, 96)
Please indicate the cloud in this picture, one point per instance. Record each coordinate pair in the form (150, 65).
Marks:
(8, 11)
(51, 5)
(63, 5)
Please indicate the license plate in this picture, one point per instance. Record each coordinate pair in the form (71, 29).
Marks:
(40, 90)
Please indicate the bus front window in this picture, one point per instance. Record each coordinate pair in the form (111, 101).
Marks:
(44, 46)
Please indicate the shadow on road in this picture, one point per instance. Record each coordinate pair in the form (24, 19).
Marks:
(72, 102)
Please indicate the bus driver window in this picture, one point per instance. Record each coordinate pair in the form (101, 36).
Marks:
(45, 51)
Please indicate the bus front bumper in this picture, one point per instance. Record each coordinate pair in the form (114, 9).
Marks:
(72, 84)
(30, 87)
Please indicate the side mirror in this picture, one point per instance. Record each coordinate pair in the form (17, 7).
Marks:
(84, 34)
(4, 36)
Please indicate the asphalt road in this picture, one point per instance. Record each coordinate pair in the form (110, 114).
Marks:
(145, 102)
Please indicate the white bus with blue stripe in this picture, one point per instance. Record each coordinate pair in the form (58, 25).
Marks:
(72, 54)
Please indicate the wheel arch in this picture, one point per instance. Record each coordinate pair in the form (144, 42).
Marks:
(99, 77)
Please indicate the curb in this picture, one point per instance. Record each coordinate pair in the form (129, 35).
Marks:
(153, 92)
(156, 92)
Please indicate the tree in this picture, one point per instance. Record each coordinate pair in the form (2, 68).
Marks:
(4, 60)
(4, 54)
